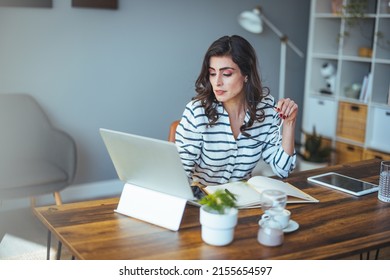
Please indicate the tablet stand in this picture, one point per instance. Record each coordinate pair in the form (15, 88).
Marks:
(151, 206)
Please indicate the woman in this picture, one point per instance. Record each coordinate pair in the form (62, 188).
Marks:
(233, 121)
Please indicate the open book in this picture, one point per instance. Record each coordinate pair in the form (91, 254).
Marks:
(248, 192)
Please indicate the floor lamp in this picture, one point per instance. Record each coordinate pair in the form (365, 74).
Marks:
(252, 21)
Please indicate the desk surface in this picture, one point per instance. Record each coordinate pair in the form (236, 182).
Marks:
(339, 226)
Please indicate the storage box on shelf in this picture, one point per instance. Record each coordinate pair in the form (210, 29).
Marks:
(348, 152)
(354, 116)
(368, 154)
(351, 121)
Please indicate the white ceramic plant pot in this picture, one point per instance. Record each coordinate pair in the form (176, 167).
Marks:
(218, 229)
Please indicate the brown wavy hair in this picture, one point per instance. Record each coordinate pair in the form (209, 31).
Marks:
(242, 54)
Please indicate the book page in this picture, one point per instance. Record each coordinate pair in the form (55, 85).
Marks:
(295, 195)
(248, 193)
(245, 194)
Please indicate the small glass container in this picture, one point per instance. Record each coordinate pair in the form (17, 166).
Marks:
(273, 199)
(270, 232)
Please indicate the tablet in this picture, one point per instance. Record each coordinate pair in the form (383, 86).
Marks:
(344, 183)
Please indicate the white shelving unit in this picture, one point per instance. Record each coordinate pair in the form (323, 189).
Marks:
(326, 44)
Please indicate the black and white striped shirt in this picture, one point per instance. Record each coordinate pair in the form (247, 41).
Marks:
(211, 155)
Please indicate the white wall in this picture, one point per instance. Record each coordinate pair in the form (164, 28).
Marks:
(131, 69)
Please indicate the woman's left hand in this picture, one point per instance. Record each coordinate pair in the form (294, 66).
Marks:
(287, 109)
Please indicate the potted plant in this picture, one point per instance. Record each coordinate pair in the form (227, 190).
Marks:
(218, 217)
(353, 13)
(313, 153)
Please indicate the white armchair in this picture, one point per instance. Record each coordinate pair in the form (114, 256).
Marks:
(35, 157)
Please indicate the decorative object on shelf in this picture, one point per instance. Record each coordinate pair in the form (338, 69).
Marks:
(328, 71)
(218, 217)
(365, 52)
(353, 12)
(337, 6)
(252, 21)
(385, 6)
(382, 41)
(353, 91)
(313, 148)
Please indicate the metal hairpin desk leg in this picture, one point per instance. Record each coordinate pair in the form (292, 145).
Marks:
(368, 255)
(48, 246)
(59, 247)
(377, 254)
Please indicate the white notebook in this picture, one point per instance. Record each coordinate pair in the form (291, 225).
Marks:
(248, 192)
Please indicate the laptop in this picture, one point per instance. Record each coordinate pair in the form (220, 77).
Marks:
(148, 163)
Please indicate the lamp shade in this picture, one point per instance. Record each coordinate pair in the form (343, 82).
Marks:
(251, 21)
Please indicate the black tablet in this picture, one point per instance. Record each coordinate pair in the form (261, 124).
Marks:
(344, 183)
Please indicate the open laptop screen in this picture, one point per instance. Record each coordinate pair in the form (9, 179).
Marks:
(148, 163)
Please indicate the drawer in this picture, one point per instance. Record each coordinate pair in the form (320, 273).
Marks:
(369, 154)
(348, 153)
(319, 110)
(378, 136)
(351, 122)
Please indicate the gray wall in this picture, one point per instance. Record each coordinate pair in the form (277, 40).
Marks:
(132, 69)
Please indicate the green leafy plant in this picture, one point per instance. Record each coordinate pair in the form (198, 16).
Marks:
(382, 42)
(313, 148)
(353, 12)
(219, 201)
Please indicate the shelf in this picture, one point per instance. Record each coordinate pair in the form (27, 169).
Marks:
(355, 51)
(327, 15)
(381, 83)
(318, 95)
(383, 43)
(325, 56)
(356, 58)
(326, 34)
(359, 35)
(380, 106)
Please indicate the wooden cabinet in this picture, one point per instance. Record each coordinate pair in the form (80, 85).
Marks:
(357, 125)
(368, 154)
(351, 121)
(348, 152)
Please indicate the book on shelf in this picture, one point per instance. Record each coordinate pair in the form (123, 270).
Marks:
(366, 88)
(369, 88)
(363, 89)
(248, 193)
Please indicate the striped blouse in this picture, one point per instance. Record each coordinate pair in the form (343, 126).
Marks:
(211, 155)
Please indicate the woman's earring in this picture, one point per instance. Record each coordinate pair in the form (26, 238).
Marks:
(246, 79)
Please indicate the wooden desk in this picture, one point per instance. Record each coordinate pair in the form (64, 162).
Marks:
(339, 226)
